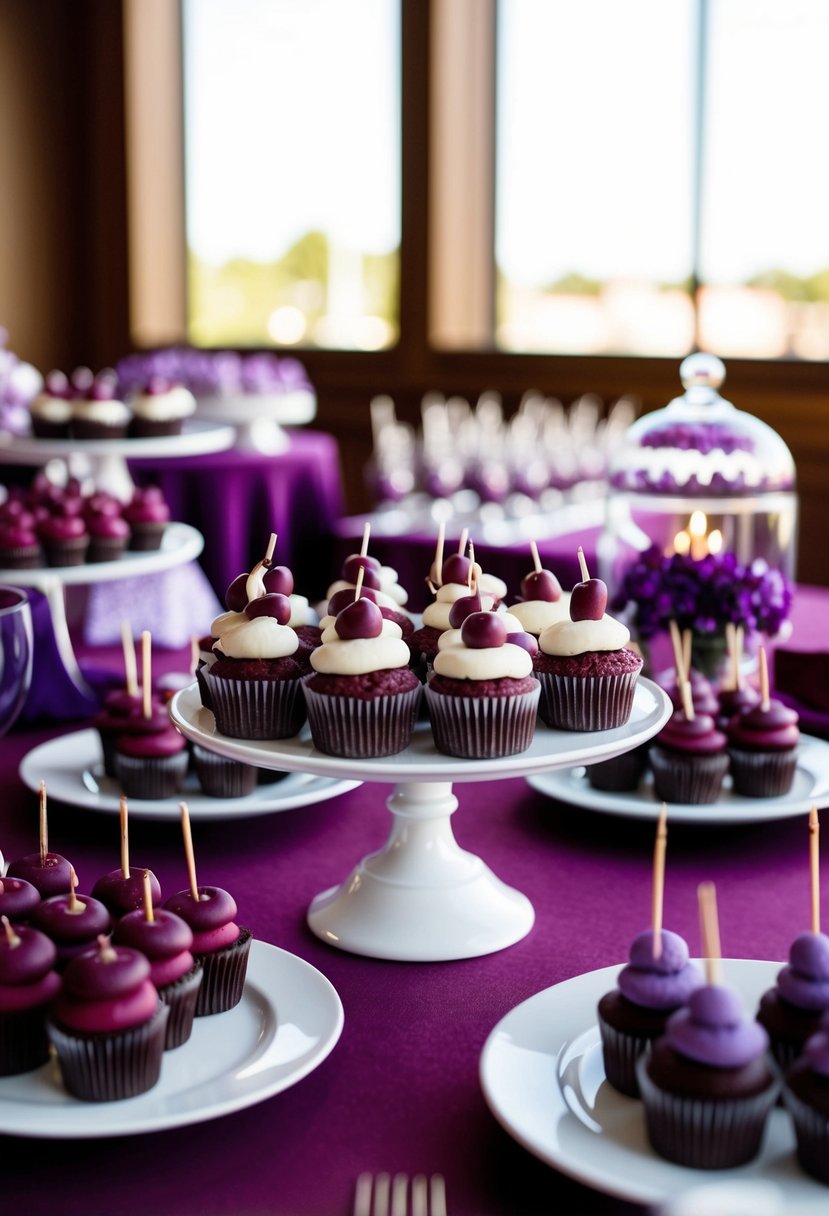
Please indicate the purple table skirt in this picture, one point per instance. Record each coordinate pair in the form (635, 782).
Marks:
(237, 498)
(400, 1090)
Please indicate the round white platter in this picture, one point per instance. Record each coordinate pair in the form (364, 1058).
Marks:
(289, 1019)
(421, 897)
(180, 543)
(810, 788)
(542, 1075)
(72, 769)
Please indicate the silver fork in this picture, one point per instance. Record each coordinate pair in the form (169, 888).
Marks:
(384, 1195)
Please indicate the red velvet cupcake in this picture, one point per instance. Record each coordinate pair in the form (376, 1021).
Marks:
(762, 747)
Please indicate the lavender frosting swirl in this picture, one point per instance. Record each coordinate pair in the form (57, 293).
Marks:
(659, 983)
(804, 981)
(712, 1029)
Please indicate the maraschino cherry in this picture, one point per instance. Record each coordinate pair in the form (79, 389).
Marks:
(483, 631)
(359, 619)
(540, 584)
(272, 603)
(279, 579)
(588, 598)
(464, 607)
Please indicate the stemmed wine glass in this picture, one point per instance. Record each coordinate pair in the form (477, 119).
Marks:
(15, 654)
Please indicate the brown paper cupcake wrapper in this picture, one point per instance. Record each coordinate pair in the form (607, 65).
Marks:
(480, 728)
(256, 709)
(146, 537)
(621, 1053)
(108, 1067)
(353, 727)
(151, 776)
(204, 689)
(621, 773)
(180, 998)
(220, 777)
(811, 1130)
(762, 774)
(704, 1133)
(24, 1043)
(691, 780)
(223, 978)
(586, 702)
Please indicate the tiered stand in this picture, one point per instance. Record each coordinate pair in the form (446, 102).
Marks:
(422, 898)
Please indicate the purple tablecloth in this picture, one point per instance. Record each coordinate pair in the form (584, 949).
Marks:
(237, 498)
(400, 1090)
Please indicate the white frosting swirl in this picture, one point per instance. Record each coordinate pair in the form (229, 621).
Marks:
(460, 662)
(261, 638)
(390, 585)
(52, 409)
(301, 612)
(452, 637)
(577, 637)
(383, 599)
(493, 585)
(179, 402)
(224, 621)
(357, 656)
(436, 614)
(107, 413)
(536, 615)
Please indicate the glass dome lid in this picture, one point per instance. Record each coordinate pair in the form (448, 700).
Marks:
(701, 445)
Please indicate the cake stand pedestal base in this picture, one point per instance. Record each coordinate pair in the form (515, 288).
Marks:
(421, 898)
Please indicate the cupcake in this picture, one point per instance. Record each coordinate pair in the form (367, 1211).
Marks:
(688, 758)
(109, 537)
(28, 985)
(806, 1098)
(279, 580)
(362, 696)
(64, 539)
(220, 945)
(108, 1025)
(483, 697)
(707, 1084)
(167, 942)
(49, 873)
(153, 764)
(18, 899)
(586, 671)
(100, 414)
(649, 989)
(791, 1011)
(122, 713)
(73, 922)
(160, 408)
(147, 515)
(50, 412)
(454, 578)
(378, 584)
(19, 546)
(221, 777)
(620, 774)
(762, 747)
(542, 601)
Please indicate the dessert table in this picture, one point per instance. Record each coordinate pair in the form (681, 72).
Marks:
(400, 1089)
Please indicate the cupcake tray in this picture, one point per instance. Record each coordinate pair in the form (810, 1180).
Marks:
(421, 897)
(542, 1075)
(809, 788)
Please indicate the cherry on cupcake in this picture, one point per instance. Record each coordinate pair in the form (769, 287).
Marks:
(49, 872)
(272, 603)
(370, 567)
(540, 584)
(359, 619)
(483, 630)
(279, 579)
(122, 890)
(525, 640)
(457, 569)
(345, 596)
(588, 599)
(464, 607)
(236, 596)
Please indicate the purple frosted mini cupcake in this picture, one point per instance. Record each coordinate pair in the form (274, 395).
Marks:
(762, 746)
(806, 1097)
(151, 765)
(587, 673)
(483, 696)
(147, 515)
(109, 536)
(707, 1084)
(635, 1013)
(65, 540)
(220, 945)
(362, 697)
(688, 760)
(28, 985)
(167, 942)
(792, 1010)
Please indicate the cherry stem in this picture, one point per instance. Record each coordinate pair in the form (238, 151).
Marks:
(536, 558)
(268, 558)
(125, 848)
(149, 914)
(585, 573)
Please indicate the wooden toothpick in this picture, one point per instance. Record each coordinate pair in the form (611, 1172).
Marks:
(125, 847)
(268, 558)
(439, 552)
(814, 867)
(688, 701)
(687, 642)
(585, 573)
(149, 912)
(659, 879)
(366, 534)
(188, 850)
(463, 540)
(130, 669)
(764, 679)
(709, 924)
(43, 829)
(679, 658)
(146, 674)
(536, 558)
(358, 586)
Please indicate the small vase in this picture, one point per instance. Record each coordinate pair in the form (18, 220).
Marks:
(709, 655)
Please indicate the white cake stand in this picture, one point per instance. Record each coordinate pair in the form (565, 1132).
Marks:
(104, 461)
(259, 418)
(422, 898)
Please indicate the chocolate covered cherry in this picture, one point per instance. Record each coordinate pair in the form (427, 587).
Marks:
(359, 619)
(120, 895)
(483, 630)
(26, 954)
(162, 937)
(541, 585)
(525, 640)
(345, 596)
(456, 569)
(272, 603)
(18, 898)
(279, 579)
(464, 607)
(588, 600)
(370, 567)
(51, 876)
(214, 908)
(236, 596)
(105, 972)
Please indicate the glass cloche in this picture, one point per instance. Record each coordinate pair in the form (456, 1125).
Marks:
(700, 477)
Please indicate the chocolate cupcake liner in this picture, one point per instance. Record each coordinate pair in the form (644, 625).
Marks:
(108, 738)
(354, 727)
(220, 777)
(66, 553)
(24, 1043)
(107, 1067)
(223, 978)
(146, 428)
(105, 551)
(180, 998)
(204, 690)
(621, 1053)
(145, 538)
(762, 774)
(620, 773)
(687, 779)
(256, 709)
(586, 703)
(151, 776)
(24, 558)
(480, 728)
(704, 1133)
(96, 430)
(811, 1130)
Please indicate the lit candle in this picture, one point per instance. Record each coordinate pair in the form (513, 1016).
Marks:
(696, 540)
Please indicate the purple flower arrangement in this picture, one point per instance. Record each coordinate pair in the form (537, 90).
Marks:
(19, 384)
(702, 594)
(213, 373)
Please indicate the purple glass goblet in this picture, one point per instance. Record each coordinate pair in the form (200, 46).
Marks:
(15, 654)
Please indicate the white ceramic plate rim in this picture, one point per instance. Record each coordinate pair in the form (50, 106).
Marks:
(300, 1018)
(530, 1069)
(810, 788)
(181, 543)
(65, 762)
(421, 760)
(197, 438)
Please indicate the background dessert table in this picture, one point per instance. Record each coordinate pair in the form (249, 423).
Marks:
(400, 1090)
